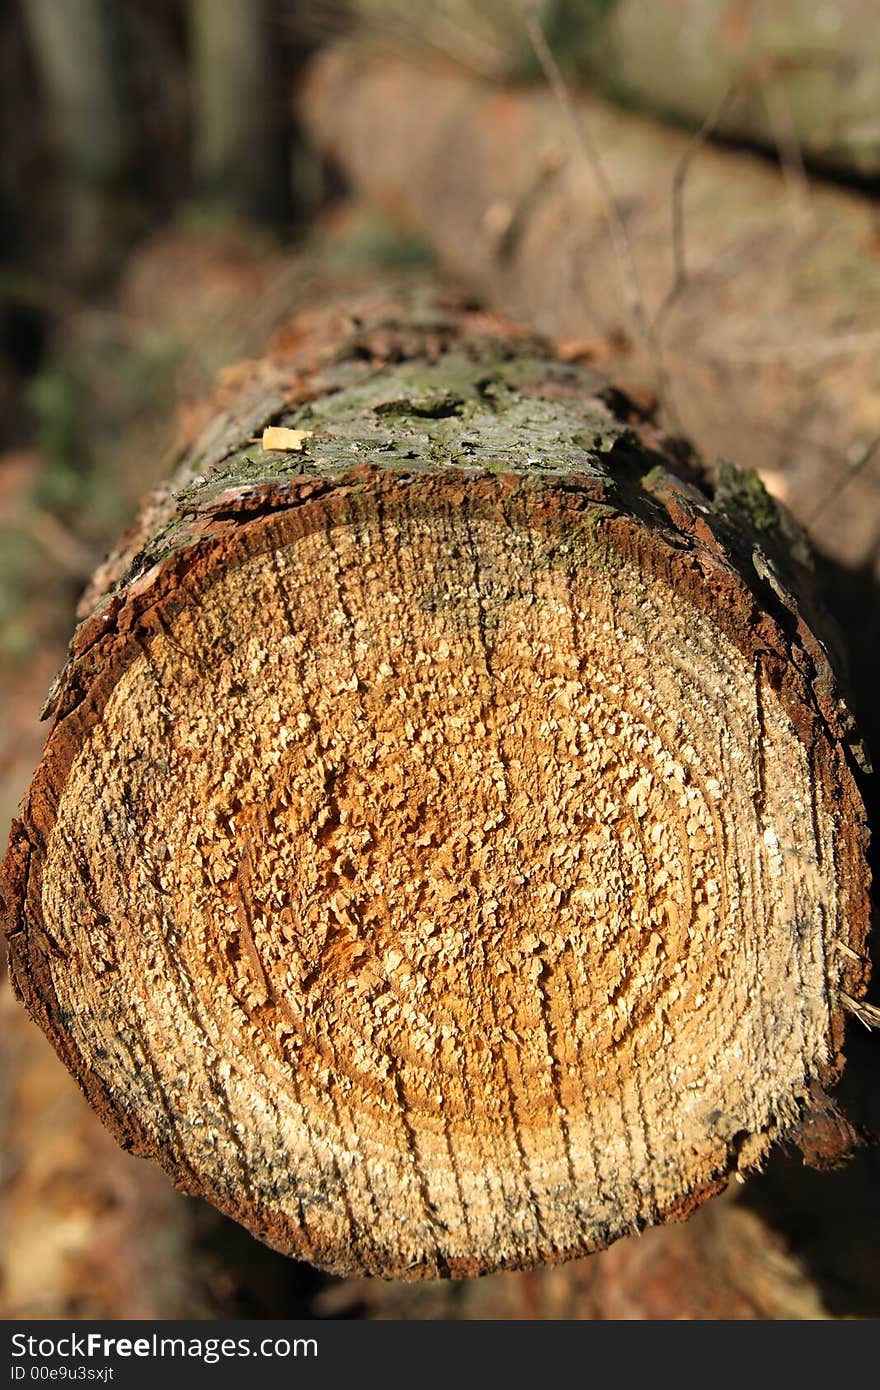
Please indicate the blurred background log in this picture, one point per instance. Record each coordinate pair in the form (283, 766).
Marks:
(801, 78)
(765, 330)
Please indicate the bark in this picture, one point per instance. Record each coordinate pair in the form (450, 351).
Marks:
(447, 853)
(768, 346)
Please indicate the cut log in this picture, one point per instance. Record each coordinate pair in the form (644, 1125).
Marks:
(447, 853)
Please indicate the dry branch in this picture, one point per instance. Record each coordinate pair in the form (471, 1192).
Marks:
(447, 852)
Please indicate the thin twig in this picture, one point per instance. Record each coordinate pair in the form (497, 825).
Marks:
(403, 27)
(858, 465)
(788, 146)
(712, 120)
(868, 1014)
(753, 73)
(584, 144)
(66, 549)
(803, 353)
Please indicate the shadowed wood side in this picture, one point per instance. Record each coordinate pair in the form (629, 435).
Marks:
(447, 852)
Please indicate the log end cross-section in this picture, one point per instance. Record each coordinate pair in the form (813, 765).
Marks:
(447, 852)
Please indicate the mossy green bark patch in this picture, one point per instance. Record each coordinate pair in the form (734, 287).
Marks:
(476, 413)
(458, 413)
(742, 490)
